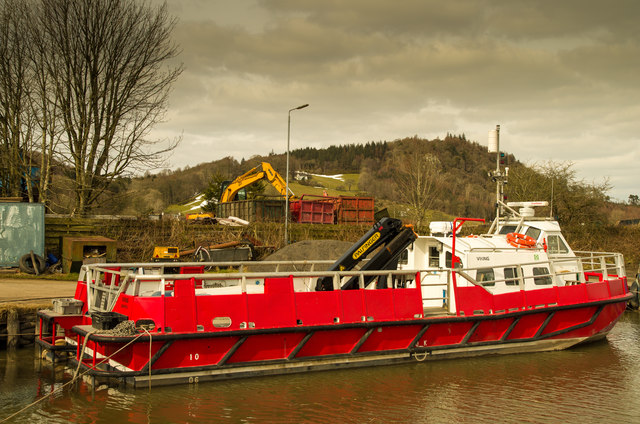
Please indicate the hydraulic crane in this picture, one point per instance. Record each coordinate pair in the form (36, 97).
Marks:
(388, 233)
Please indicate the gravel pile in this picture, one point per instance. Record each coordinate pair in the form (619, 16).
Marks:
(124, 328)
(307, 250)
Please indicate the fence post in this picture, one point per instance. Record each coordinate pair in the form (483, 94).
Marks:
(13, 328)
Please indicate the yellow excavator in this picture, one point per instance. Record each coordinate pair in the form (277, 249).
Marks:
(262, 171)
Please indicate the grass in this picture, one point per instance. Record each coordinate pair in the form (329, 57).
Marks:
(183, 208)
(347, 186)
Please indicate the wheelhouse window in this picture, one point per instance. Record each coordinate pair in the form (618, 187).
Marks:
(534, 233)
(404, 257)
(486, 277)
(541, 276)
(511, 276)
(434, 257)
(556, 245)
(448, 261)
(508, 229)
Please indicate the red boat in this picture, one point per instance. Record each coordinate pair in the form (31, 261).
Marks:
(393, 297)
(412, 300)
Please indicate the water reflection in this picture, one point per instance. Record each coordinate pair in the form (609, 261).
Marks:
(590, 383)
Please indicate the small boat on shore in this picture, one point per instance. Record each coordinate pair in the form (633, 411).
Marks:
(392, 297)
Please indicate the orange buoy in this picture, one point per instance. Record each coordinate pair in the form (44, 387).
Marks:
(520, 240)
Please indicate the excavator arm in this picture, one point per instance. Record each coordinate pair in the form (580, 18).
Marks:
(389, 233)
(262, 171)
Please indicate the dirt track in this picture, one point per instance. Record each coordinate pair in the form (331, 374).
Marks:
(13, 290)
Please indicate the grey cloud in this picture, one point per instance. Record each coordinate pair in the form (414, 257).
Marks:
(559, 76)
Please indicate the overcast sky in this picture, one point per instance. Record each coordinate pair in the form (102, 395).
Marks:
(562, 78)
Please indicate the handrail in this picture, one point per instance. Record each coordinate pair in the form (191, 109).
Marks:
(98, 290)
(126, 268)
(103, 296)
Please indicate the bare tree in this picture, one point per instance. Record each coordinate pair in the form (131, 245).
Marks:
(574, 201)
(28, 129)
(108, 61)
(14, 92)
(44, 108)
(417, 178)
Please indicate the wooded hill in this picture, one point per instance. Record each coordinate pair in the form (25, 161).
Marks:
(449, 175)
(461, 185)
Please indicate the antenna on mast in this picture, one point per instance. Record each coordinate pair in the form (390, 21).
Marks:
(551, 208)
(498, 176)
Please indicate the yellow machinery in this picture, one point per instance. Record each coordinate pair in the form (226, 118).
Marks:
(262, 171)
(165, 254)
(200, 217)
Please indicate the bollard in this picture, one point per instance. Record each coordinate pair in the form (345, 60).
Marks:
(13, 329)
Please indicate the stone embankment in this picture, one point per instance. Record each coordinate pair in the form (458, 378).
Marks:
(20, 300)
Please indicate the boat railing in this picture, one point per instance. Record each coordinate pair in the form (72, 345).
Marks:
(601, 265)
(604, 264)
(106, 282)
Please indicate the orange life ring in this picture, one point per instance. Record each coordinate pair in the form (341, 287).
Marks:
(520, 240)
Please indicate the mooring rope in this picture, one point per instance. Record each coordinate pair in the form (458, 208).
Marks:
(84, 345)
(415, 355)
(89, 368)
(150, 345)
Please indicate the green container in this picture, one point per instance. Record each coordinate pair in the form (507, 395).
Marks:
(21, 231)
(253, 210)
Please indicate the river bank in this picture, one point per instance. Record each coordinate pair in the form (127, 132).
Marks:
(20, 299)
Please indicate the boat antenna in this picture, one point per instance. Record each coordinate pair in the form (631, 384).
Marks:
(498, 176)
(551, 203)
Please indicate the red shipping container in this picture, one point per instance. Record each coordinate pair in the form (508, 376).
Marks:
(316, 212)
(355, 210)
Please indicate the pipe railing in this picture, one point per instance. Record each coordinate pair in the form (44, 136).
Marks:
(103, 289)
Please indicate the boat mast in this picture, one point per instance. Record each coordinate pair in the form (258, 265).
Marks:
(498, 176)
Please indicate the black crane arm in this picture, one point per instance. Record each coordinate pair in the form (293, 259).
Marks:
(387, 231)
(385, 259)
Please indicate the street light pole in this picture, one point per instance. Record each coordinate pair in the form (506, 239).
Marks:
(286, 200)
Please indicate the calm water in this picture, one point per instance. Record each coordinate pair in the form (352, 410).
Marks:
(595, 383)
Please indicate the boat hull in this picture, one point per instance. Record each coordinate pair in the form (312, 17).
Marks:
(198, 357)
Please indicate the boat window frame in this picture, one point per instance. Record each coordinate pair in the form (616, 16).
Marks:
(403, 259)
(541, 276)
(555, 247)
(449, 257)
(508, 228)
(433, 257)
(513, 280)
(533, 232)
(482, 277)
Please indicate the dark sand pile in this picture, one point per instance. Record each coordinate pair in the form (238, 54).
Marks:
(307, 250)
